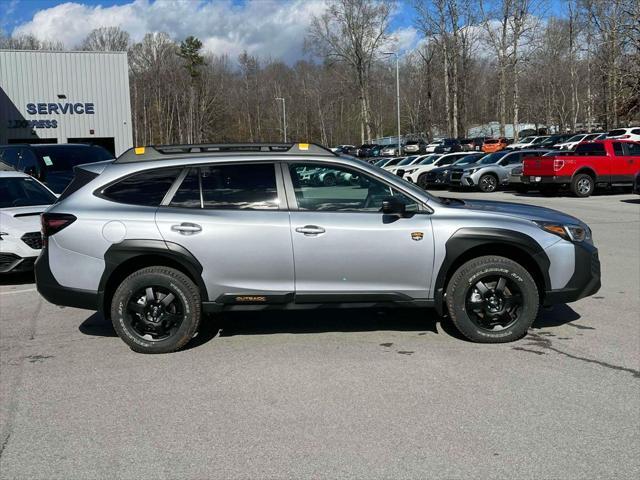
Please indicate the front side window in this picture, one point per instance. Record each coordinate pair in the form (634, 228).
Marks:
(237, 187)
(146, 188)
(339, 189)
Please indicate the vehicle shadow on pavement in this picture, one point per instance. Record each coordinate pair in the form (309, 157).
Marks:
(421, 321)
(22, 278)
(326, 320)
(634, 201)
(556, 316)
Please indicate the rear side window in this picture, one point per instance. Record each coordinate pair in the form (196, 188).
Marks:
(250, 187)
(633, 149)
(617, 133)
(145, 188)
(590, 149)
(636, 131)
(617, 149)
(230, 187)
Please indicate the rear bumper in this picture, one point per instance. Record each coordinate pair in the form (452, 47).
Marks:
(544, 180)
(57, 294)
(585, 280)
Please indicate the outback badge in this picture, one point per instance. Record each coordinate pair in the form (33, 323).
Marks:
(417, 236)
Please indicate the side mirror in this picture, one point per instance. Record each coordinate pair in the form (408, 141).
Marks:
(393, 206)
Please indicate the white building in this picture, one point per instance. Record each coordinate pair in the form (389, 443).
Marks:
(65, 97)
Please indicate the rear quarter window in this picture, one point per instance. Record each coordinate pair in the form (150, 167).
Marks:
(146, 188)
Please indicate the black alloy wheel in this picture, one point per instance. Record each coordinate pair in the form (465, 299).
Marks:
(154, 313)
(494, 303)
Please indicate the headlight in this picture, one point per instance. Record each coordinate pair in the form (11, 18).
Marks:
(2, 234)
(410, 170)
(573, 233)
(472, 170)
(444, 172)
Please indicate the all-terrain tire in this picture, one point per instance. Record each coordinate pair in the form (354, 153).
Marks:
(464, 280)
(169, 279)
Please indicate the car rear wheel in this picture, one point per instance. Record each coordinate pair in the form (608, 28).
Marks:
(422, 181)
(492, 299)
(156, 310)
(329, 180)
(582, 185)
(488, 183)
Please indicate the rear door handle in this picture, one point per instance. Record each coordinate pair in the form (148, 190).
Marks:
(310, 230)
(186, 228)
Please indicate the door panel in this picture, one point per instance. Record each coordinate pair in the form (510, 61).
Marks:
(240, 251)
(343, 243)
(363, 252)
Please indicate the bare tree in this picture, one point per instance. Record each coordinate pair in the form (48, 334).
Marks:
(352, 32)
(106, 39)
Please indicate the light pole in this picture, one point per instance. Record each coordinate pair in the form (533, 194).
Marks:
(284, 118)
(397, 95)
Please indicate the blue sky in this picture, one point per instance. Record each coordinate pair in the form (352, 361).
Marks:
(271, 28)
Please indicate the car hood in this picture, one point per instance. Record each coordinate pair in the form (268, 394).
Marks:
(520, 210)
(473, 165)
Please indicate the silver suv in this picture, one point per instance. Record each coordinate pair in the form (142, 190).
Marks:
(163, 235)
(492, 170)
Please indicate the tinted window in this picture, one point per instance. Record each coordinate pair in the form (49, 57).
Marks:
(65, 157)
(22, 192)
(10, 156)
(617, 133)
(144, 188)
(339, 189)
(636, 131)
(512, 159)
(617, 149)
(590, 149)
(244, 187)
(188, 194)
(633, 149)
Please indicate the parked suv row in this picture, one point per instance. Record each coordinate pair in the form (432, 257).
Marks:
(162, 235)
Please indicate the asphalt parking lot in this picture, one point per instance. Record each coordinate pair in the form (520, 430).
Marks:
(357, 394)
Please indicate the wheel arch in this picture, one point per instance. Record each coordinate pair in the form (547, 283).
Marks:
(126, 257)
(587, 170)
(468, 243)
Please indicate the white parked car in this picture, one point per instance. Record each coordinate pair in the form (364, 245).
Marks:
(527, 142)
(418, 175)
(22, 200)
(577, 139)
(403, 164)
(631, 133)
(431, 147)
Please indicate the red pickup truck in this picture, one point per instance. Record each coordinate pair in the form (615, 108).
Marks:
(601, 162)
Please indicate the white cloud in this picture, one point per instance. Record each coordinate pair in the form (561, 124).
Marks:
(267, 28)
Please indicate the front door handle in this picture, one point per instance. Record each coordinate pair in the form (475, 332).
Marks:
(310, 230)
(186, 228)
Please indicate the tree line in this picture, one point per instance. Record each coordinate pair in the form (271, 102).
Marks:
(477, 61)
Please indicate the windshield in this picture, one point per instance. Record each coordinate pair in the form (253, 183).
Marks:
(575, 138)
(23, 192)
(408, 160)
(539, 140)
(381, 163)
(64, 158)
(492, 158)
(527, 140)
(469, 159)
(429, 159)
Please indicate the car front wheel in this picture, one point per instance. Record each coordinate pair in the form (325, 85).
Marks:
(488, 183)
(492, 299)
(156, 310)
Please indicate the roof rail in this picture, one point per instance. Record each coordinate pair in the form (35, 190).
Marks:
(159, 152)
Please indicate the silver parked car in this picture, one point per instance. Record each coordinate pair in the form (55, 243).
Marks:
(492, 170)
(163, 235)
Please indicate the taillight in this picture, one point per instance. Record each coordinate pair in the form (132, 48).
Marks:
(54, 222)
(557, 164)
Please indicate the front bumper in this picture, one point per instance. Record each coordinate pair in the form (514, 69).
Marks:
(12, 263)
(57, 294)
(585, 280)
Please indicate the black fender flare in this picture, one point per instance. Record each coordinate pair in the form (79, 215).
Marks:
(468, 238)
(119, 253)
